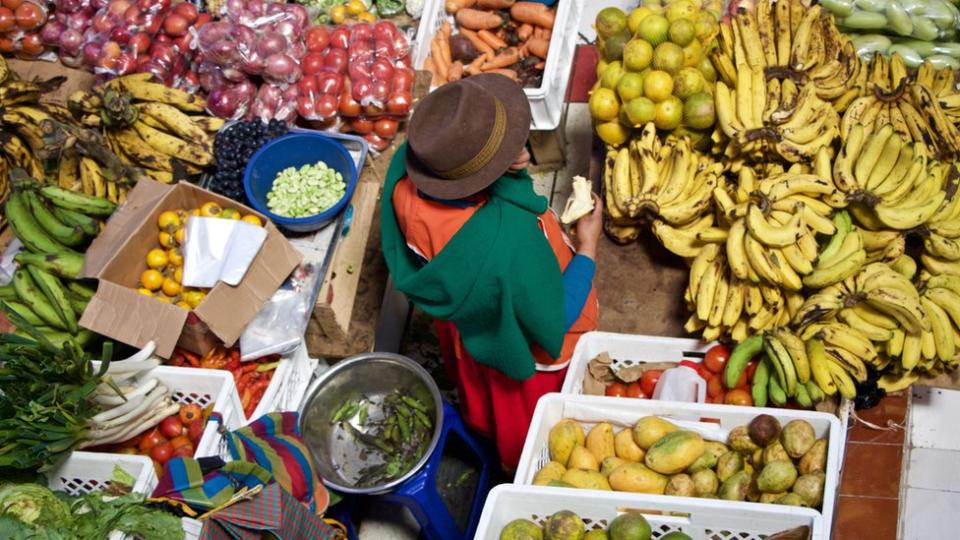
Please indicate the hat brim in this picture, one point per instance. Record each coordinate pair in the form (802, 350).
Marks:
(518, 129)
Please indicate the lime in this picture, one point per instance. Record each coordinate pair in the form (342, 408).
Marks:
(699, 111)
(692, 54)
(612, 47)
(682, 9)
(682, 32)
(688, 82)
(640, 111)
(707, 70)
(610, 21)
(601, 67)
(637, 15)
(706, 29)
(604, 104)
(611, 75)
(668, 57)
(654, 29)
(637, 54)
(613, 133)
(658, 85)
(669, 113)
(631, 86)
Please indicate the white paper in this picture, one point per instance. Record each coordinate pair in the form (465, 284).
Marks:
(219, 250)
(7, 265)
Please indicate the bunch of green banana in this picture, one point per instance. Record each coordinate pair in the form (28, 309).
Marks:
(794, 45)
(162, 130)
(841, 257)
(53, 224)
(784, 370)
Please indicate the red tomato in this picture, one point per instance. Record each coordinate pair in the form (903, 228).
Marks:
(376, 142)
(362, 126)
(175, 25)
(183, 451)
(312, 63)
(11, 4)
(384, 30)
(31, 44)
(318, 38)
(326, 107)
(382, 70)
(330, 83)
(386, 128)
(348, 105)
(171, 427)
(635, 390)
(704, 372)
(162, 452)
(400, 103)
(181, 441)
(340, 38)
(751, 369)
(649, 380)
(717, 358)
(29, 16)
(715, 385)
(335, 60)
(717, 400)
(189, 413)
(188, 11)
(738, 396)
(195, 430)
(139, 43)
(380, 91)
(307, 85)
(7, 19)
(403, 79)
(151, 439)
(616, 389)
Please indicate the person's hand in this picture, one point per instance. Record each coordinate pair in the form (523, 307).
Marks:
(589, 228)
(522, 161)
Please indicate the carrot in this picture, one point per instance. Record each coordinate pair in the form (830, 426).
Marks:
(524, 31)
(474, 19)
(480, 44)
(455, 72)
(454, 6)
(429, 66)
(444, 34)
(474, 67)
(506, 58)
(438, 60)
(537, 32)
(538, 47)
(533, 13)
(495, 4)
(547, 33)
(505, 72)
(492, 40)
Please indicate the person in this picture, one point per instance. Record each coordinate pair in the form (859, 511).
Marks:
(467, 239)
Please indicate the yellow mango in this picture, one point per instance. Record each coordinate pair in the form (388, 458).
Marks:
(637, 478)
(610, 463)
(581, 458)
(551, 471)
(585, 479)
(564, 437)
(674, 452)
(650, 429)
(626, 448)
(600, 441)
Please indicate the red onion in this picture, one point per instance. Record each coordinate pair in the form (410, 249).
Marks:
(224, 103)
(50, 33)
(290, 94)
(300, 15)
(233, 74)
(271, 43)
(269, 93)
(236, 6)
(245, 89)
(281, 68)
(223, 52)
(213, 32)
(70, 42)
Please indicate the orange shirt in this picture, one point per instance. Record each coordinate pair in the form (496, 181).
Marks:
(428, 225)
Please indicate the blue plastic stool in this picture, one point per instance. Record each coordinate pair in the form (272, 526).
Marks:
(419, 494)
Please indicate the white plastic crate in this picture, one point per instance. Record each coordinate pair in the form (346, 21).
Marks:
(623, 413)
(633, 349)
(701, 519)
(84, 472)
(627, 350)
(201, 387)
(546, 102)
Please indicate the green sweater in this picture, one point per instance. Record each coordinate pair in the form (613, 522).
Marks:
(497, 279)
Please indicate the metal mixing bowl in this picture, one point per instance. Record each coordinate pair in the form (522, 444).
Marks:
(338, 457)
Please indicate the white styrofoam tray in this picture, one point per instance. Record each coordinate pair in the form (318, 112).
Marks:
(546, 102)
(713, 422)
(288, 385)
(701, 519)
(628, 350)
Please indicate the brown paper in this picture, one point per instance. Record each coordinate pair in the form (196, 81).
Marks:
(599, 373)
(117, 258)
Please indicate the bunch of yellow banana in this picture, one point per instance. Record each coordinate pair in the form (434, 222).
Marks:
(78, 172)
(666, 184)
(724, 305)
(941, 302)
(791, 42)
(22, 121)
(162, 130)
(795, 125)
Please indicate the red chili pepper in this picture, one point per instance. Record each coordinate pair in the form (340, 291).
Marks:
(193, 359)
(247, 396)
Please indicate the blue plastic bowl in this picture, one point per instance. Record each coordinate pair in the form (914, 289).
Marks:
(297, 150)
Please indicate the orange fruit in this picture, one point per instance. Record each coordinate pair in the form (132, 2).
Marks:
(170, 287)
(157, 258)
(210, 209)
(658, 85)
(151, 279)
(168, 219)
(167, 240)
(175, 257)
(251, 219)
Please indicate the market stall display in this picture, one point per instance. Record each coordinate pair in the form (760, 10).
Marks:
(20, 27)
(252, 378)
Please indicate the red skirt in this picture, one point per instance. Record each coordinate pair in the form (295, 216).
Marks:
(491, 403)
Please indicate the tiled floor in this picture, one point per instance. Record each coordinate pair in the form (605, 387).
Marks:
(931, 485)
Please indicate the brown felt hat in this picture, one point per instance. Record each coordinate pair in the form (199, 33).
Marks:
(466, 134)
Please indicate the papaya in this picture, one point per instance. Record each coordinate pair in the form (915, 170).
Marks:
(585, 479)
(674, 452)
(565, 435)
(650, 429)
(712, 450)
(581, 458)
(626, 448)
(610, 463)
(600, 441)
(551, 471)
(637, 478)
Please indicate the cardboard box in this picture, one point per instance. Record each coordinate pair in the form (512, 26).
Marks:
(117, 258)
